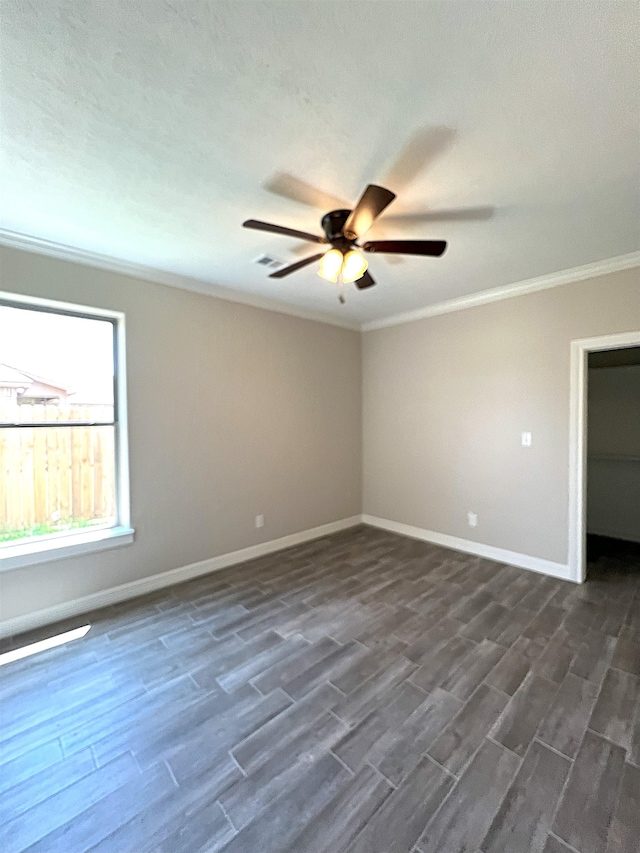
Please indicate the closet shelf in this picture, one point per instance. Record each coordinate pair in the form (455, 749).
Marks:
(612, 457)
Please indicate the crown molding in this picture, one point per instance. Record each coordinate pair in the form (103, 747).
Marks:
(26, 243)
(545, 282)
(63, 252)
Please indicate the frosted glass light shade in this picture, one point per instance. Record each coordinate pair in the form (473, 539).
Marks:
(330, 265)
(354, 266)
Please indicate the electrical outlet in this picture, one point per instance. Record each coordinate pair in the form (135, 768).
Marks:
(259, 521)
(526, 439)
(472, 518)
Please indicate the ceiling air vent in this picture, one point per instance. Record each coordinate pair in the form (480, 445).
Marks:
(269, 261)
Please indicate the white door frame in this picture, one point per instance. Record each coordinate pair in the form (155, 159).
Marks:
(580, 350)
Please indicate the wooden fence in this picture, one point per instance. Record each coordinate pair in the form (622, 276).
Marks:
(51, 478)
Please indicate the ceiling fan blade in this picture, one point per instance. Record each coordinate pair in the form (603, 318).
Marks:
(460, 214)
(434, 248)
(257, 225)
(288, 186)
(364, 281)
(372, 202)
(422, 149)
(297, 266)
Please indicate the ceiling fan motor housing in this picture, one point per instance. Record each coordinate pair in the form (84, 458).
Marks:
(333, 226)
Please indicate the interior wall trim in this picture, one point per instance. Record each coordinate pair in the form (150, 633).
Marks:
(500, 555)
(496, 294)
(133, 589)
(26, 243)
(64, 252)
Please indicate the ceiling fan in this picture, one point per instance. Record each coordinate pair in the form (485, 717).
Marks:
(342, 230)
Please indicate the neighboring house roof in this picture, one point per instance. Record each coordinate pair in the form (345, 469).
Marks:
(11, 378)
(34, 385)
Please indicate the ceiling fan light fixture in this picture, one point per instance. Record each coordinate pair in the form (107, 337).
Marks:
(341, 258)
(330, 265)
(354, 266)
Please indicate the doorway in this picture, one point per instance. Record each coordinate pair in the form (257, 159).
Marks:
(611, 462)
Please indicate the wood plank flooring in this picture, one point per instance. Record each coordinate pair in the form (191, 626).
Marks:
(363, 693)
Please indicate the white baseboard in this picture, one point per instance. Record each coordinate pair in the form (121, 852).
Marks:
(501, 555)
(68, 609)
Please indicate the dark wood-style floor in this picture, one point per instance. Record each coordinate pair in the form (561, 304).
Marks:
(364, 692)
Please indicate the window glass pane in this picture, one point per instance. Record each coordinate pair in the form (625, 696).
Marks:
(54, 479)
(54, 367)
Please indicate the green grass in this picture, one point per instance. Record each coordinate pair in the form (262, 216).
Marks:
(47, 529)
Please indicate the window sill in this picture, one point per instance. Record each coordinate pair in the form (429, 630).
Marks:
(17, 555)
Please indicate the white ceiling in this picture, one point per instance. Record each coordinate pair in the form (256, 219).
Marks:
(148, 130)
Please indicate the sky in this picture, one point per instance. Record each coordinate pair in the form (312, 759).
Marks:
(71, 351)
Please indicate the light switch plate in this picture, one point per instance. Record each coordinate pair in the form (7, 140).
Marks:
(526, 439)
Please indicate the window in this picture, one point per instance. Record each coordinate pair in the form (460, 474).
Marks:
(63, 471)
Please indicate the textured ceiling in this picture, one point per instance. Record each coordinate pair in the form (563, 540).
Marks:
(148, 130)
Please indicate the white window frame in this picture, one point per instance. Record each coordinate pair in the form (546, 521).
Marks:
(18, 554)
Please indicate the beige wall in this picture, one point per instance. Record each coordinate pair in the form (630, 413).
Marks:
(613, 469)
(233, 411)
(446, 398)
(271, 421)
